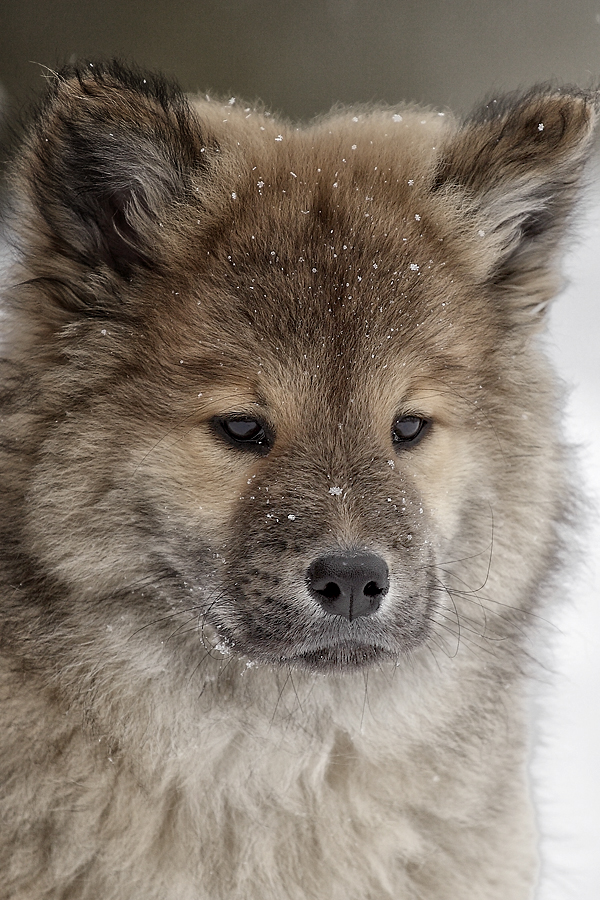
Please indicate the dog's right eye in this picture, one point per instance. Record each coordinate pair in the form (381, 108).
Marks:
(244, 432)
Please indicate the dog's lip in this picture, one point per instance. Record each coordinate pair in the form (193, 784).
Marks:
(316, 652)
(339, 656)
(355, 648)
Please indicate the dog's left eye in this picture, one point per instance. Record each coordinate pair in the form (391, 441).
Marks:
(408, 430)
(244, 432)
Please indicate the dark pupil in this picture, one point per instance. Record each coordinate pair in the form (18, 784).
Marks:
(243, 429)
(407, 428)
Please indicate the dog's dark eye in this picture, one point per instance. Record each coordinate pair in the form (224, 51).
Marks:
(244, 432)
(408, 430)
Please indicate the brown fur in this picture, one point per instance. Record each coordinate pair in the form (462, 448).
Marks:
(182, 720)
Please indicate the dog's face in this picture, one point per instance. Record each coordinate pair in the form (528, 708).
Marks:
(295, 409)
(323, 449)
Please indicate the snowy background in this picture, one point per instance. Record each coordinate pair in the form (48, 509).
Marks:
(567, 757)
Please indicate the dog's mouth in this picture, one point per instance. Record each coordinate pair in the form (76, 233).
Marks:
(327, 645)
(331, 657)
(340, 657)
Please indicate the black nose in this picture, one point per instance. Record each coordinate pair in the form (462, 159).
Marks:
(348, 584)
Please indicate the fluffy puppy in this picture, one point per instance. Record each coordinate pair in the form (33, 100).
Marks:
(283, 489)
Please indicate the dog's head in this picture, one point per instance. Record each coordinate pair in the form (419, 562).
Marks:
(286, 391)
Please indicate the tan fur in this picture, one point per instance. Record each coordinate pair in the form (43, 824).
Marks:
(182, 718)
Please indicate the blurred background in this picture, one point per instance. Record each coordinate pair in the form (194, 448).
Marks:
(300, 58)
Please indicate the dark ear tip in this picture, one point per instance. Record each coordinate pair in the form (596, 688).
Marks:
(90, 93)
(95, 76)
(571, 107)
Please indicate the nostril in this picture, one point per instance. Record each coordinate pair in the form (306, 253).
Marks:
(372, 589)
(348, 584)
(331, 590)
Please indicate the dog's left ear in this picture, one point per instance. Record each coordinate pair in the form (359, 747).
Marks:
(515, 167)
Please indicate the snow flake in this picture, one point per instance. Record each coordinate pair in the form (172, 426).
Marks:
(279, 137)
(414, 267)
(335, 491)
(396, 117)
(541, 126)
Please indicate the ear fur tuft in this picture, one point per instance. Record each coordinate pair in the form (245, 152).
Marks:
(517, 163)
(112, 148)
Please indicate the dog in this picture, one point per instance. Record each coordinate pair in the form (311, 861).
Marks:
(284, 488)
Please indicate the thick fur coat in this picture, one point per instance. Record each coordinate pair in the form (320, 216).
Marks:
(282, 493)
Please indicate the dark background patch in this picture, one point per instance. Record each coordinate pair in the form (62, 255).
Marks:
(301, 57)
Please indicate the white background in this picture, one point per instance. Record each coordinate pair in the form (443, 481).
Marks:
(566, 766)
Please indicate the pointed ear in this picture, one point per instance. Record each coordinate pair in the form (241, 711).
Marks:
(112, 149)
(517, 164)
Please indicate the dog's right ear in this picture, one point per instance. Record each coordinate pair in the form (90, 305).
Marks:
(112, 150)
